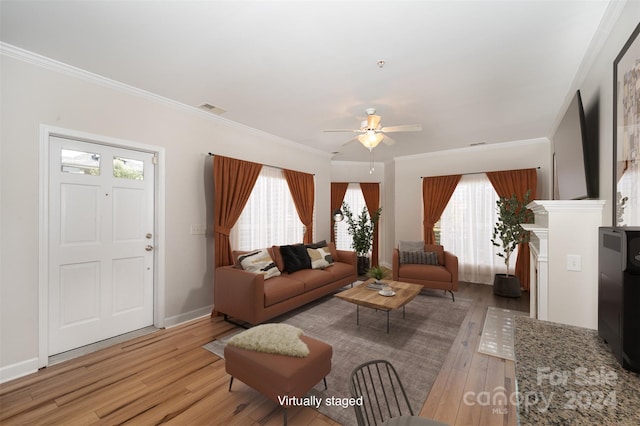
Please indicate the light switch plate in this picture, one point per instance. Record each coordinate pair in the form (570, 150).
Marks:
(574, 262)
(198, 229)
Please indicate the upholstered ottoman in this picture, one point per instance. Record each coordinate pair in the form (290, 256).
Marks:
(276, 375)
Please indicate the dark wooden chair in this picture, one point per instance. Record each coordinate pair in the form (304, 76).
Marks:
(383, 396)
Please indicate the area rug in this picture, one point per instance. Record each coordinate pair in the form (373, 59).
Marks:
(498, 333)
(567, 376)
(416, 345)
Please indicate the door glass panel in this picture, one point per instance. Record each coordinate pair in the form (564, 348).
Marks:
(127, 168)
(80, 162)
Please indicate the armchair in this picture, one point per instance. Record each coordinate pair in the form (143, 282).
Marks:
(443, 275)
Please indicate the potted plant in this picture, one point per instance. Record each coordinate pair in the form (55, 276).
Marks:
(376, 272)
(507, 234)
(361, 230)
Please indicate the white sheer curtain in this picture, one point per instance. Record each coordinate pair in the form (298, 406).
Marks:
(355, 200)
(270, 217)
(467, 226)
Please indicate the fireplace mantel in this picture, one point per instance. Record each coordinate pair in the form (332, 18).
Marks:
(564, 261)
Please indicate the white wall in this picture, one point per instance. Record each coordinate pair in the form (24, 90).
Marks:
(484, 158)
(33, 95)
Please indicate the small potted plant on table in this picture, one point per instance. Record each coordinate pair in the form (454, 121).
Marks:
(376, 272)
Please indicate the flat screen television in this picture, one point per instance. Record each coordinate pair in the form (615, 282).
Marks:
(575, 144)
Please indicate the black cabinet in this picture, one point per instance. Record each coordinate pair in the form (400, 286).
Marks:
(619, 293)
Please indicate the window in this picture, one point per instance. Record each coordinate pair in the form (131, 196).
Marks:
(127, 168)
(437, 231)
(270, 216)
(355, 200)
(466, 228)
(80, 162)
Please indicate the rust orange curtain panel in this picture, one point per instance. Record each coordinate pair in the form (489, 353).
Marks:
(436, 193)
(233, 182)
(371, 193)
(507, 183)
(338, 190)
(302, 190)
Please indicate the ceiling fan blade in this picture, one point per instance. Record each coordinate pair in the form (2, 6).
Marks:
(355, 138)
(373, 121)
(403, 128)
(344, 130)
(388, 141)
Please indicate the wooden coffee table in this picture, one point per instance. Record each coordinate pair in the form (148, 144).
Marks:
(363, 296)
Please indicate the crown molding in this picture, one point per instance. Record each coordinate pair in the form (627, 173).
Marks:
(69, 70)
(41, 61)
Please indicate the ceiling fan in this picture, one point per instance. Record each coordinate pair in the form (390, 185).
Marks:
(372, 133)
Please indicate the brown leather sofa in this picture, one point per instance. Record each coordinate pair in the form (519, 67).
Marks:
(248, 297)
(442, 276)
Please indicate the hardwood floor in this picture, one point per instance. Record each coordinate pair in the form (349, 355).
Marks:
(167, 378)
(469, 382)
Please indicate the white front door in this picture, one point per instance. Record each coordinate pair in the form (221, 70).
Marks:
(101, 224)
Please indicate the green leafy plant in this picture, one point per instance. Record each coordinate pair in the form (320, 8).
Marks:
(361, 228)
(508, 232)
(376, 272)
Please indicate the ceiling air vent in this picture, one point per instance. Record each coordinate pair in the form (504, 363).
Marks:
(212, 109)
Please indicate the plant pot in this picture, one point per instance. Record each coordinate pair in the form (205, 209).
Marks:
(363, 265)
(507, 286)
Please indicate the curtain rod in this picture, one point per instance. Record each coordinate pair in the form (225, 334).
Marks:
(356, 182)
(268, 165)
(477, 173)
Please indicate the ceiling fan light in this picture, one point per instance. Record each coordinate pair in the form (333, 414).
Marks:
(370, 139)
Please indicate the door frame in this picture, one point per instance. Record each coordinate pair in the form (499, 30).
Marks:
(46, 132)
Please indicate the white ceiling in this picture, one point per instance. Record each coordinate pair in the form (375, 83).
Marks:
(468, 72)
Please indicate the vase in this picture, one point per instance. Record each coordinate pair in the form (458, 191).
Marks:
(363, 265)
(507, 286)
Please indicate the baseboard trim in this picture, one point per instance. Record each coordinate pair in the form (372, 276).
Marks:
(23, 368)
(19, 369)
(188, 316)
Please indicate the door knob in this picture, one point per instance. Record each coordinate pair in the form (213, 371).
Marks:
(148, 248)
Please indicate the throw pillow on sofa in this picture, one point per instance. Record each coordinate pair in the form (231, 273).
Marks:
(320, 257)
(259, 262)
(411, 245)
(319, 244)
(295, 258)
(419, 257)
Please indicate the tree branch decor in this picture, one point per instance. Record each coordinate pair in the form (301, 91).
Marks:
(361, 228)
(507, 232)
